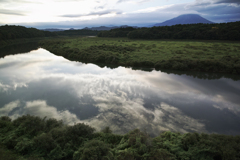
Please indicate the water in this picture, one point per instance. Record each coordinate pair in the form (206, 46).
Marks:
(39, 83)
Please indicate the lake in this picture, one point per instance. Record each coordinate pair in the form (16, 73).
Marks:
(37, 82)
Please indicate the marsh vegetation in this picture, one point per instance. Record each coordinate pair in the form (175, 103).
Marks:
(208, 56)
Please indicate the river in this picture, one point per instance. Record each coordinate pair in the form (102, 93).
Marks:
(37, 82)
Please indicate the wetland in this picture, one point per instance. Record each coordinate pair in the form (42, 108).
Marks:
(58, 108)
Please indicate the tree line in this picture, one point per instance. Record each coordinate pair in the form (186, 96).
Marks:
(11, 32)
(217, 31)
(32, 137)
(79, 32)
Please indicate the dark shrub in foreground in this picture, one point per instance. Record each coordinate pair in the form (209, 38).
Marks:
(31, 137)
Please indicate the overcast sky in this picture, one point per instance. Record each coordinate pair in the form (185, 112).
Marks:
(88, 13)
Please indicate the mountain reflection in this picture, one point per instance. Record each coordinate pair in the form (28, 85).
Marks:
(40, 83)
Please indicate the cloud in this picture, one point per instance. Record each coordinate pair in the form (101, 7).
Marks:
(4, 88)
(135, 2)
(100, 7)
(67, 0)
(40, 108)
(121, 1)
(37, 108)
(10, 12)
(211, 10)
(6, 109)
(227, 1)
(125, 115)
(143, 1)
(18, 1)
(218, 10)
(99, 13)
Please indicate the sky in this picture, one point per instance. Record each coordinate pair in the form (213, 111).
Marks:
(91, 13)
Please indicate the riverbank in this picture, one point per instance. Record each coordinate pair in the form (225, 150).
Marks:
(31, 137)
(207, 56)
(10, 42)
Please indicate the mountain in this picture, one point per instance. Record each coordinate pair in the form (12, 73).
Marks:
(184, 19)
(104, 28)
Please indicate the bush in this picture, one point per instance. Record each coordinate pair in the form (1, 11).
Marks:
(92, 150)
(58, 142)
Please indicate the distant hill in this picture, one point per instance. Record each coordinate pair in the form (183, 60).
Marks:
(104, 28)
(52, 29)
(184, 19)
(213, 31)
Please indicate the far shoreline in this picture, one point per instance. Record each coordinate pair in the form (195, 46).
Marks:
(182, 55)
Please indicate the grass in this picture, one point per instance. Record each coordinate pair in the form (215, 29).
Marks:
(212, 56)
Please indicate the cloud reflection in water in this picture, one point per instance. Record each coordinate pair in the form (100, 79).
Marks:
(43, 84)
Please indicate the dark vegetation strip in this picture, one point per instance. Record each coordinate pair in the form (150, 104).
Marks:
(79, 32)
(9, 32)
(31, 136)
(204, 56)
(217, 31)
(18, 48)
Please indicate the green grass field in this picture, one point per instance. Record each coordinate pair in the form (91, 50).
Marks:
(212, 56)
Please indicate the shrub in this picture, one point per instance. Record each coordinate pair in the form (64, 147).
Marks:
(92, 150)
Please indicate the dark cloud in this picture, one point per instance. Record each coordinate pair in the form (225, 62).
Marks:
(224, 18)
(99, 13)
(227, 1)
(218, 10)
(10, 12)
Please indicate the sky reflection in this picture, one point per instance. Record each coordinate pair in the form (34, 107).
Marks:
(40, 83)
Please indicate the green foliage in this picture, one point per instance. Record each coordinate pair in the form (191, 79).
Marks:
(6, 154)
(92, 150)
(221, 31)
(52, 140)
(208, 56)
(159, 154)
(8, 32)
(107, 130)
(43, 144)
(118, 32)
(22, 47)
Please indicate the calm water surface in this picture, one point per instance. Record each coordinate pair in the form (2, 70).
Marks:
(40, 83)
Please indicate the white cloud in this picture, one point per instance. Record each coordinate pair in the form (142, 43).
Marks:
(6, 109)
(131, 114)
(40, 108)
(4, 88)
